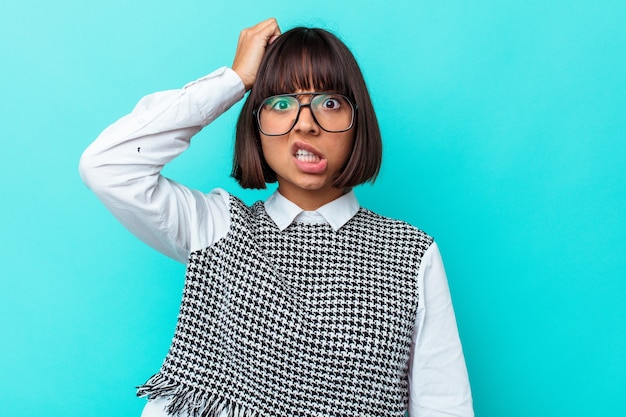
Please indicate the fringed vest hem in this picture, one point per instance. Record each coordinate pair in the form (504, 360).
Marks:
(193, 402)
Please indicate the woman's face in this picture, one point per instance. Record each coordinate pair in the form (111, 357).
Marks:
(307, 160)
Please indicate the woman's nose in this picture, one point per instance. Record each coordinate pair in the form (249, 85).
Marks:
(306, 122)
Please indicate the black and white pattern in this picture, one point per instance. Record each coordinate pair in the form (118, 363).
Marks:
(303, 322)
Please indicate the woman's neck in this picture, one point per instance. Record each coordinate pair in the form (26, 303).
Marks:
(311, 200)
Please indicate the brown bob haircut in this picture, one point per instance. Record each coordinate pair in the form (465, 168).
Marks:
(308, 59)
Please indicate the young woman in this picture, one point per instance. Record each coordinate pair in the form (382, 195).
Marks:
(305, 304)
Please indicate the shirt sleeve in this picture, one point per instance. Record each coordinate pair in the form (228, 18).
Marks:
(123, 166)
(438, 380)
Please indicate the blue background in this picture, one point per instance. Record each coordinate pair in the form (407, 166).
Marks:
(504, 125)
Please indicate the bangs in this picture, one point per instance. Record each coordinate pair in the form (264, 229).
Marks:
(305, 61)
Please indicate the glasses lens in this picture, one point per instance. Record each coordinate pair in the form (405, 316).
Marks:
(278, 114)
(333, 112)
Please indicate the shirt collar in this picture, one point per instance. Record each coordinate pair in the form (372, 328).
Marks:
(336, 213)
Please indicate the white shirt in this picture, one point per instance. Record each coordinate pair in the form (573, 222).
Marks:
(123, 168)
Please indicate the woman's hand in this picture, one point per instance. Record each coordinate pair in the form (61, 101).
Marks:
(251, 47)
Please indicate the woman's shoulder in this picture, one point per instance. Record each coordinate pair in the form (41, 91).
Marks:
(244, 215)
(393, 226)
(238, 207)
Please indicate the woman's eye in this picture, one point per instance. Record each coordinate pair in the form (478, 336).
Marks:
(331, 103)
(281, 104)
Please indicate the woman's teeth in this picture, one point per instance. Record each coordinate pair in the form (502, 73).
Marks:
(306, 156)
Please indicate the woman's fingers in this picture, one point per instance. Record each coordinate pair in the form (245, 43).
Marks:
(251, 47)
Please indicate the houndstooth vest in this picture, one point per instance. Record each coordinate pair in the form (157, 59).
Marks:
(304, 322)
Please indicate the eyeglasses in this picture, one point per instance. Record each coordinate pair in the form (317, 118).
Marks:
(277, 115)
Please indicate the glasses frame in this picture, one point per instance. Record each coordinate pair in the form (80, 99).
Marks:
(313, 94)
